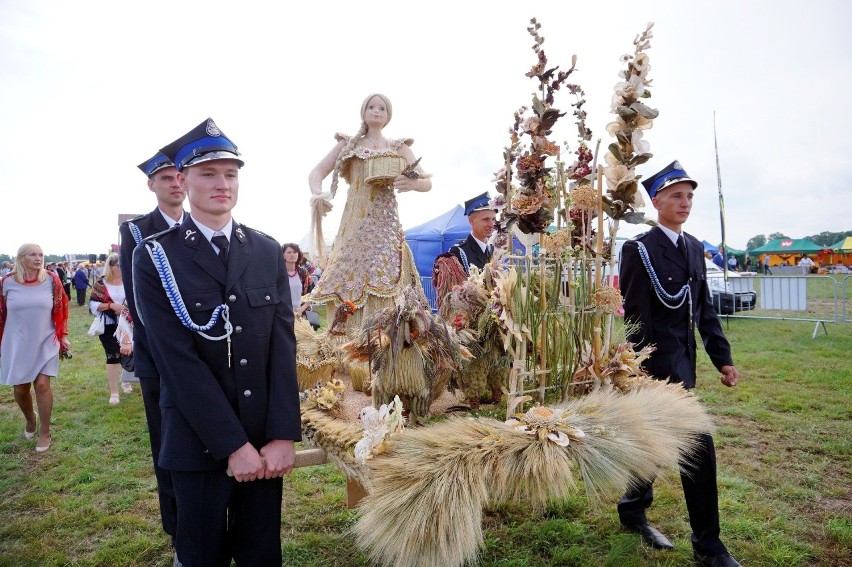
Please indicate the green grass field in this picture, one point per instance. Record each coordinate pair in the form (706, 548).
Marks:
(783, 445)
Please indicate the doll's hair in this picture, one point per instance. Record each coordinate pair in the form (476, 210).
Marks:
(362, 131)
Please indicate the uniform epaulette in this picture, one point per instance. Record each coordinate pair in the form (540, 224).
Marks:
(641, 235)
(260, 232)
(161, 233)
(136, 218)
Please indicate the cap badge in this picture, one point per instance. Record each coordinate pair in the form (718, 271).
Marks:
(212, 129)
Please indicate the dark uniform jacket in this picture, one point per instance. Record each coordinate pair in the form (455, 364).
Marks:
(209, 409)
(148, 224)
(471, 252)
(669, 330)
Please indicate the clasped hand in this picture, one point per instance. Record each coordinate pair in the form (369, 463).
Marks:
(275, 459)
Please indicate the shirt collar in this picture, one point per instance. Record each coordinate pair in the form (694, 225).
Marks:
(673, 236)
(170, 222)
(482, 245)
(209, 232)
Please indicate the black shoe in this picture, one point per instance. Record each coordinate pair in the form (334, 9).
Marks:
(720, 560)
(650, 535)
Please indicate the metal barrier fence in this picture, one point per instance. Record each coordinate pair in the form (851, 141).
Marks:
(815, 298)
(426, 282)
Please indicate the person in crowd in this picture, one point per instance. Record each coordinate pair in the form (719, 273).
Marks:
(7, 267)
(766, 270)
(733, 263)
(475, 250)
(81, 283)
(221, 334)
(370, 262)
(300, 281)
(62, 272)
(33, 333)
(807, 264)
(669, 324)
(718, 259)
(66, 267)
(107, 301)
(162, 182)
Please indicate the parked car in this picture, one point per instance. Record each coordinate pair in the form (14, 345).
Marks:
(731, 296)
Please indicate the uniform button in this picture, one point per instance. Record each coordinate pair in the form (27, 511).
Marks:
(247, 393)
(198, 305)
(243, 362)
(238, 329)
(232, 298)
(267, 298)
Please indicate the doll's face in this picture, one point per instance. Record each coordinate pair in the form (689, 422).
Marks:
(376, 113)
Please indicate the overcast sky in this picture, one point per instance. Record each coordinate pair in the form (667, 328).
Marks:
(89, 89)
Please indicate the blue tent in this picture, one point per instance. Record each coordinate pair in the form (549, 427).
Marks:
(709, 247)
(435, 237)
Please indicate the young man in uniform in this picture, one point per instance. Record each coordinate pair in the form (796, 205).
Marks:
(215, 301)
(666, 262)
(162, 181)
(475, 250)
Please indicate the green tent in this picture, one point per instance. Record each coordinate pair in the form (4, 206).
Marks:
(732, 251)
(789, 246)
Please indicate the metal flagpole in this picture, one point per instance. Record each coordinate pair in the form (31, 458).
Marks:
(721, 204)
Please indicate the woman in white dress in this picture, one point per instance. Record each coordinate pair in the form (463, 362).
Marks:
(107, 301)
(33, 331)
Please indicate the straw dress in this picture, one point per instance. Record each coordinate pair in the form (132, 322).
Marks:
(370, 262)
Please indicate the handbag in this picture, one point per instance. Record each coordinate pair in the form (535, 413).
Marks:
(127, 362)
(97, 326)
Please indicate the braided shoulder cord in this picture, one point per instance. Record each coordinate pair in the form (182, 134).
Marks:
(665, 297)
(134, 230)
(164, 269)
(465, 263)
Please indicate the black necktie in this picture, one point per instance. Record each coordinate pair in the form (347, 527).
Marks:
(489, 250)
(681, 245)
(221, 242)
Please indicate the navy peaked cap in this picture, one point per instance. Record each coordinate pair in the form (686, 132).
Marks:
(155, 164)
(478, 203)
(669, 175)
(205, 142)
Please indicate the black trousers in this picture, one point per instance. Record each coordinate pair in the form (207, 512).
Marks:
(219, 519)
(698, 478)
(81, 295)
(165, 491)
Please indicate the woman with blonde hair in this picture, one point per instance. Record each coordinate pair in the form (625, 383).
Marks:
(33, 332)
(107, 301)
(370, 262)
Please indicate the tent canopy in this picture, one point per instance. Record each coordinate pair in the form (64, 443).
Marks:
(436, 237)
(731, 251)
(843, 245)
(709, 247)
(789, 246)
